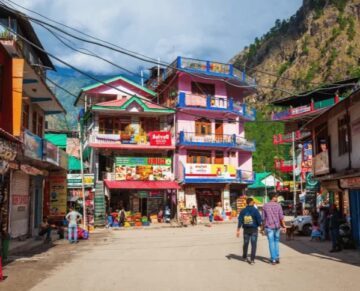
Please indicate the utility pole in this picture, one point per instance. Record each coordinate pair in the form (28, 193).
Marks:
(158, 78)
(80, 125)
(294, 167)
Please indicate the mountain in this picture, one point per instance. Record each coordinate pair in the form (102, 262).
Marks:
(319, 44)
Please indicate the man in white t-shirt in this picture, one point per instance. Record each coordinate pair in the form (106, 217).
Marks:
(73, 217)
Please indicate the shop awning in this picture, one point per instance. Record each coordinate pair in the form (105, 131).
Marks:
(141, 184)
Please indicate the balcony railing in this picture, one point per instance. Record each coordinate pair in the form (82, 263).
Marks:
(306, 109)
(287, 138)
(215, 140)
(151, 139)
(214, 173)
(187, 100)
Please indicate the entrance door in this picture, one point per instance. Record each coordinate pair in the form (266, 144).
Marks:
(219, 130)
(355, 214)
(219, 157)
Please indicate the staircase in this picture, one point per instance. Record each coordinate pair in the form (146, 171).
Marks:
(99, 204)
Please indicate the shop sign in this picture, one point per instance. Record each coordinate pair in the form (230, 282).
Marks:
(58, 194)
(160, 138)
(51, 153)
(143, 194)
(209, 171)
(30, 170)
(144, 169)
(74, 180)
(300, 109)
(321, 163)
(350, 183)
(33, 146)
(154, 193)
(307, 157)
(7, 151)
(311, 183)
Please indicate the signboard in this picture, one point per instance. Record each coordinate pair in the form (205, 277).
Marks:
(160, 138)
(33, 146)
(307, 157)
(63, 159)
(7, 151)
(350, 183)
(30, 170)
(58, 194)
(209, 171)
(144, 169)
(300, 109)
(51, 153)
(321, 163)
(74, 180)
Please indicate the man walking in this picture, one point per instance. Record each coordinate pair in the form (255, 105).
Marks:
(273, 221)
(194, 214)
(334, 225)
(72, 217)
(250, 220)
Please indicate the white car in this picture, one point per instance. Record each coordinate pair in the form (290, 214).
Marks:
(303, 224)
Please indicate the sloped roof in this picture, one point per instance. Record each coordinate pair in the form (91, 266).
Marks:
(112, 80)
(122, 105)
(258, 178)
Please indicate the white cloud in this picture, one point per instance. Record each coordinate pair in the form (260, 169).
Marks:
(161, 28)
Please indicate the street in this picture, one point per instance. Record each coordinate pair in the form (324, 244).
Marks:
(193, 258)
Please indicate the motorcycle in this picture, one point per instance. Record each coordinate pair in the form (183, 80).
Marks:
(345, 237)
(167, 215)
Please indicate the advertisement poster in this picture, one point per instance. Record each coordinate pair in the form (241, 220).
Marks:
(33, 146)
(307, 157)
(321, 163)
(218, 171)
(51, 153)
(143, 169)
(160, 138)
(58, 194)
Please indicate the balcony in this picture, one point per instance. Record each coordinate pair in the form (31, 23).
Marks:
(309, 109)
(214, 173)
(232, 141)
(287, 138)
(158, 140)
(215, 104)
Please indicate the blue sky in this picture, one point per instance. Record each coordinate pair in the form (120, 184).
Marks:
(205, 29)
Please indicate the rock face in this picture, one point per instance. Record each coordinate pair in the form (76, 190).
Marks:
(319, 44)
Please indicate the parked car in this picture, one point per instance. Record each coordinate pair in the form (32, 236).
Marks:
(303, 224)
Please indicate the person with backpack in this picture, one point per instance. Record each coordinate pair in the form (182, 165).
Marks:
(249, 219)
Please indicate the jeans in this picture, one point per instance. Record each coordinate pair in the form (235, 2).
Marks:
(250, 235)
(334, 233)
(72, 233)
(273, 235)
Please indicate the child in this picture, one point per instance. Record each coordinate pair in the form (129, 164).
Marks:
(315, 232)
(211, 214)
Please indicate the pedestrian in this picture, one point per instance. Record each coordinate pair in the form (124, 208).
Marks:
(73, 217)
(122, 217)
(334, 225)
(194, 214)
(45, 228)
(323, 222)
(249, 219)
(211, 214)
(273, 222)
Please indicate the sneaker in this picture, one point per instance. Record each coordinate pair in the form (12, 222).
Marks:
(277, 261)
(252, 262)
(273, 263)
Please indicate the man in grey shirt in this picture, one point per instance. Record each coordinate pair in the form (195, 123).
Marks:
(72, 217)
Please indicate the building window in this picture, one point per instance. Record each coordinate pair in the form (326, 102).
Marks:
(219, 157)
(25, 116)
(40, 126)
(34, 122)
(343, 136)
(202, 127)
(198, 157)
(202, 89)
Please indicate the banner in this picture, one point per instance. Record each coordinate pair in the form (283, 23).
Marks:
(144, 169)
(307, 157)
(160, 138)
(74, 180)
(51, 153)
(63, 159)
(321, 163)
(7, 150)
(210, 171)
(58, 194)
(33, 146)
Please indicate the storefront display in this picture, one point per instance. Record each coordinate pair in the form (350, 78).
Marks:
(145, 169)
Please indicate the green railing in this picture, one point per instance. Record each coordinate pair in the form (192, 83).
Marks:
(324, 103)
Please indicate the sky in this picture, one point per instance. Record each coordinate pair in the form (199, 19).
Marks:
(165, 29)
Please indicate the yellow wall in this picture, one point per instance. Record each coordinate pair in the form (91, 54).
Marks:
(17, 89)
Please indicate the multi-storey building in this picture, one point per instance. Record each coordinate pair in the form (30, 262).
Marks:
(25, 100)
(132, 142)
(213, 158)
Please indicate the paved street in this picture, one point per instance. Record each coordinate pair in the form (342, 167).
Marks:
(193, 258)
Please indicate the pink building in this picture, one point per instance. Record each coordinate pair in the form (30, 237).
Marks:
(213, 159)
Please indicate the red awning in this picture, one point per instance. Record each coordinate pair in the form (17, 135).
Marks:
(141, 184)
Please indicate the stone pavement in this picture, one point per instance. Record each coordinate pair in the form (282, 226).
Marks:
(192, 258)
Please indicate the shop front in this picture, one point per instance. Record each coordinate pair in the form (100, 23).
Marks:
(75, 195)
